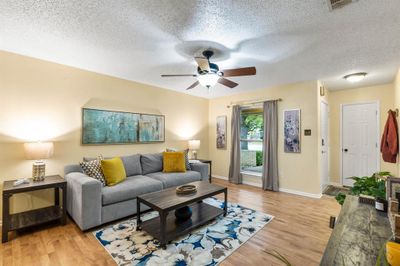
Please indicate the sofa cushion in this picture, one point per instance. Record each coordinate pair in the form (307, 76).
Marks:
(132, 187)
(175, 179)
(132, 164)
(151, 163)
(93, 169)
(174, 162)
(113, 170)
(186, 151)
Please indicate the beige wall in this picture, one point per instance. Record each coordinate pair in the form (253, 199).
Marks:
(297, 171)
(43, 100)
(397, 105)
(382, 93)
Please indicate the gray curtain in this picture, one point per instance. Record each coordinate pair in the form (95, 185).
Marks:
(270, 148)
(234, 167)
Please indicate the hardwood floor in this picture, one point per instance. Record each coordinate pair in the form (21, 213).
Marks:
(299, 231)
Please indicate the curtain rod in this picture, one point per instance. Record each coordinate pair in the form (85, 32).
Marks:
(252, 102)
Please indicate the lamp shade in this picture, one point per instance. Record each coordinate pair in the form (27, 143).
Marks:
(194, 144)
(38, 150)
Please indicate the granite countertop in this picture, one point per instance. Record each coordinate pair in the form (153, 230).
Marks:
(359, 234)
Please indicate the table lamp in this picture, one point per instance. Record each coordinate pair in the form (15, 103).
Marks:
(38, 151)
(194, 145)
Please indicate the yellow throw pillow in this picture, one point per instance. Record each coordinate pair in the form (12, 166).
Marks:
(174, 162)
(393, 253)
(113, 170)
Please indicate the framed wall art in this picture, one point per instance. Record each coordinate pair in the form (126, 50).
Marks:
(221, 132)
(151, 128)
(117, 127)
(291, 129)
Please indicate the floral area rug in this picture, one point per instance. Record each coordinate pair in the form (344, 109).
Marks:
(206, 245)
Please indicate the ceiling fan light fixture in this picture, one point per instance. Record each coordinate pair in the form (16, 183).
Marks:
(208, 80)
(208, 74)
(355, 77)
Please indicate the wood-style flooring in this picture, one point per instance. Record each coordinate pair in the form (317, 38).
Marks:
(299, 231)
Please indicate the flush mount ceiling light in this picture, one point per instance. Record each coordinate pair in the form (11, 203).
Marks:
(355, 77)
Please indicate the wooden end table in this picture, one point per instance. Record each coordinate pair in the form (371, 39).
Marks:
(30, 218)
(164, 227)
(210, 163)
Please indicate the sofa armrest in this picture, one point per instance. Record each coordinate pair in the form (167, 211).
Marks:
(202, 168)
(84, 199)
(72, 168)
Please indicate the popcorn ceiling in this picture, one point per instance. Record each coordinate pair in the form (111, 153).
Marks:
(288, 41)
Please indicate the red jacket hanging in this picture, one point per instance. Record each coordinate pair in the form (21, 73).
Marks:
(389, 143)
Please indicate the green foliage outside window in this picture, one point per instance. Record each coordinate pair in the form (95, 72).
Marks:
(253, 123)
(259, 158)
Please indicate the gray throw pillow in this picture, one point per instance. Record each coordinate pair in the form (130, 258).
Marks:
(132, 164)
(151, 163)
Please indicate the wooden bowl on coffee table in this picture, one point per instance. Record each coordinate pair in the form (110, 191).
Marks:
(186, 189)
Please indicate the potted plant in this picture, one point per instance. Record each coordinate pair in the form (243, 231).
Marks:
(370, 186)
(379, 192)
(340, 197)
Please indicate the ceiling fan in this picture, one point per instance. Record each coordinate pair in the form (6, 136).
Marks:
(208, 74)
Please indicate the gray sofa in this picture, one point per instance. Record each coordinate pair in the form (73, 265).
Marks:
(90, 204)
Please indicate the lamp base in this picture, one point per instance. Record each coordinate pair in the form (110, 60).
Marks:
(38, 171)
(194, 155)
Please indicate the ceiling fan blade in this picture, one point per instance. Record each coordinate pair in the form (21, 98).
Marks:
(193, 85)
(179, 75)
(245, 71)
(227, 82)
(203, 63)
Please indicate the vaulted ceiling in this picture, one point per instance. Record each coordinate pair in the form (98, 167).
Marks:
(288, 41)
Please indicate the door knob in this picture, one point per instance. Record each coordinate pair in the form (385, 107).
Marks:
(345, 150)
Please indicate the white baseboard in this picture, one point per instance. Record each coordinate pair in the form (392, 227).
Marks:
(220, 177)
(301, 193)
(291, 191)
(335, 184)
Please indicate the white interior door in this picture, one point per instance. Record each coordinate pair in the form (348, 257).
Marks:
(360, 152)
(324, 145)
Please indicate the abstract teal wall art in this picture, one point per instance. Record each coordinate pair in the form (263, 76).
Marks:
(116, 127)
(151, 128)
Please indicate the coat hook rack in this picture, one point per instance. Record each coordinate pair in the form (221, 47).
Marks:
(396, 111)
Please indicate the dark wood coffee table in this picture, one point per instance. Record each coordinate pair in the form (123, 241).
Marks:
(164, 227)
